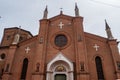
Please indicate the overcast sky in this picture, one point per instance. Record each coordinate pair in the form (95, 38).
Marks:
(27, 13)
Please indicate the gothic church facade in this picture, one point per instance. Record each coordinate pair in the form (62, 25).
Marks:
(60, 51)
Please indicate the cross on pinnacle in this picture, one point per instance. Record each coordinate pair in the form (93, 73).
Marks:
(61, 10)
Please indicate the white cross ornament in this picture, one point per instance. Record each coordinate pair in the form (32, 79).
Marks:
(96, 47)
(27, 49)
(61, 25)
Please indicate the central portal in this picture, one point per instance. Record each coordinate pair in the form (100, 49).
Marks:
(60, 68)
(60, 77)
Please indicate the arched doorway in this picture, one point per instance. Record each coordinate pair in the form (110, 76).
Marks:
(60, 68)
(60, 71)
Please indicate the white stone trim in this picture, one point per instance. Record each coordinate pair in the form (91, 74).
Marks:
(60, 59)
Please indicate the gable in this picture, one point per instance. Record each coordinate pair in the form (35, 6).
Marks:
(60, 57)
(28, 41)
(95, 37)
(61, 16)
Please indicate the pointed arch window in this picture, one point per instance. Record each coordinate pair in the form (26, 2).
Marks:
(24, 69)
(99, 68)
(1, 74)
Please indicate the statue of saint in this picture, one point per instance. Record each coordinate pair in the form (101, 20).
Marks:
(16, 39)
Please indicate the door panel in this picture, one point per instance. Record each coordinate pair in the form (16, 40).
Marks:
(60, 77)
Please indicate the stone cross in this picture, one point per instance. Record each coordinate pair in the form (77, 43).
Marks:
(61, 9)
(96, 47)
(27, 50)
(61, 25)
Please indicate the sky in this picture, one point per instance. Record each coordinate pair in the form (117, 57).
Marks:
(27, 13)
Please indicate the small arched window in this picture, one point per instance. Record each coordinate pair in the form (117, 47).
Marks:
(99, 68)
(2, 56)
(24, 69)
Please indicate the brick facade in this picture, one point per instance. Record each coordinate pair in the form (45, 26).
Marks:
(76, 59)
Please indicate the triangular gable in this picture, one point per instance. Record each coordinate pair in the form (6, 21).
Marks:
(61, 16)
(96, 37)
(60, 57)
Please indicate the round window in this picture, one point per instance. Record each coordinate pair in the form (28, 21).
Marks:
(60, 40)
